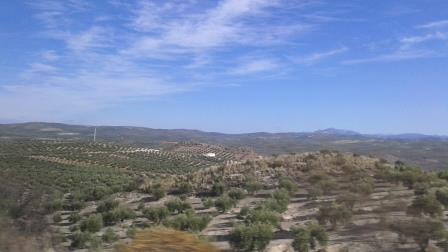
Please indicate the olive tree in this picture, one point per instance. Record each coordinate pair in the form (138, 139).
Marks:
(252, 237)
(307, 237)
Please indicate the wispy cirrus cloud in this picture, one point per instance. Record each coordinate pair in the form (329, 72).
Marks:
(392, 57)
(101, 64)
(434, 25)
(255, 66)
(320, 56)
(430, 44)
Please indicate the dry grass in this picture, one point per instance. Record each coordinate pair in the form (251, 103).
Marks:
(164, 240)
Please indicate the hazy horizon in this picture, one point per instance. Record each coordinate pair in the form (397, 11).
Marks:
(224, 132)
(228, 66)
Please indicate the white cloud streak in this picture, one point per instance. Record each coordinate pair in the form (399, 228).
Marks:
(255, 66)
(318, 57)
(434, 25)
(100, 64)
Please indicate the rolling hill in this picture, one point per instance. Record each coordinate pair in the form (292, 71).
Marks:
(429, 152)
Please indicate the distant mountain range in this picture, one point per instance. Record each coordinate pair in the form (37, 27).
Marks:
(428, 151)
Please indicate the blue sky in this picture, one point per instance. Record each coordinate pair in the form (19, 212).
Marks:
(229, 66)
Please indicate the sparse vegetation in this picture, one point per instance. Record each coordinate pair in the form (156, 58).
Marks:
(93, 223)
(156, 214)
(252, 237)
(224, 203)
(177, 206)
(307, 237)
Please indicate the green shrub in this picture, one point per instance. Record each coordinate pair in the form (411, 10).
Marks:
(307, 237)
(184, 188)
(410, 176)
(107, 205)
(334, 214)
(53, 206)
(158, 193)
(252, 237)
(243, 212)
(118, 214)
(224, 203)
(363, 187)
(177, 206)
(442, 196)
(278, 202)
(422, 230)
(237, 194)
(98, 192)
(348, 199)
(93, 223)
(426, 204)
(218, 189)
(263, 216)
(109, 236)
(156, 214)
(80, 239)
(288, 184)
(253, 186)
(188, 222)
(74, 217)
(95, 243)
(207, 202)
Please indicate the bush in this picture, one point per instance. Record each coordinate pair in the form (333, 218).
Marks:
(177, 206)
(93, 223)
(109, 236)
(253, 186)
(95, 243)
(243, 212)
(363, 187)
(53, 206)
(334, 214)
(421, 230)
(74, 217)
(278, 202)
(80, 239)
(252, 237)
(156, 214)
(188, 222)
(107, 205)
(263, 216)
(158, 193)
(288, 184)
(237, 194)
(306, 238)
(207, 202)
(118, 214)
(426, 204)
(97, 192)
(348, 199)
(442, 196)
(218, 189)
(184, 188)
(410, 176)
(224, 203)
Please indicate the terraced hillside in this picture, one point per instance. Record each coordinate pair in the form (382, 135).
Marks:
(326, 201)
